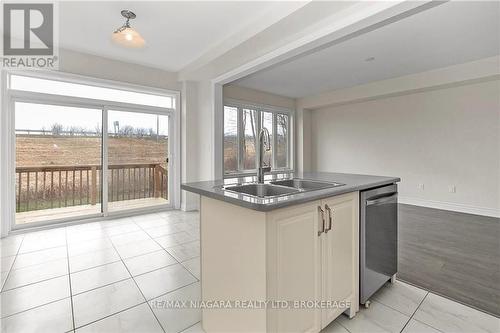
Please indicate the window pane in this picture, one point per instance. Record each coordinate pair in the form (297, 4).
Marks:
(86, 91)
(282, 141)
(137, 160)
(267, 122)
(249, 138)
(58, 162)
(230, 139)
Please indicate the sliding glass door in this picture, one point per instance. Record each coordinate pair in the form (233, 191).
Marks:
(60, 154)
(58, 162)
(78, 148)
(137, 160)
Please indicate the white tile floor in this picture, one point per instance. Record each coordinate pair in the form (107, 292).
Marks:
(110, 276)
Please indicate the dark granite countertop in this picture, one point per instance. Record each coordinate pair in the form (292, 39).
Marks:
(214, 189)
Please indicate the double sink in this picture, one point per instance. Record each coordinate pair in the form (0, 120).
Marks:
(281, 187)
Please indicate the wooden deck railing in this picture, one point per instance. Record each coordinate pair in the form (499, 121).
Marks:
(62, 186)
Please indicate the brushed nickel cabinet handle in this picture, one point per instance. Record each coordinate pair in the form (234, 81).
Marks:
(330, 218)
(322, 221)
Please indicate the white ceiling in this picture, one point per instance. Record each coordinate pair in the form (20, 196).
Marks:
(176, 33)
(449, 34)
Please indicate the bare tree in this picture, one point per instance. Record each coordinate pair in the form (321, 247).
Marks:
(127, 130)
(71, 130)
(253, 120)
(56, 129)
(282, 136)
(141, 132)
(98, 130)
(244, 123)
(249, 115)
(282, 124)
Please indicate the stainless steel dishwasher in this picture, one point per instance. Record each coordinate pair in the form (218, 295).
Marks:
(378, 241)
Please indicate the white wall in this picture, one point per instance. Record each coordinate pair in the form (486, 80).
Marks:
(189, 143)
(303, 144)
(104, 68)
(205, 130)
(256, 96)
(438, 138)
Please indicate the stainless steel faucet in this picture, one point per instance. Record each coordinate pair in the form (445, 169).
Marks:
(264, 140)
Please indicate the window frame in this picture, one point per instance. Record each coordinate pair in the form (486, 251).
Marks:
(10, 96)
(259, 108)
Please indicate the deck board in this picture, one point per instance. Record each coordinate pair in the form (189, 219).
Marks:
(82, 210)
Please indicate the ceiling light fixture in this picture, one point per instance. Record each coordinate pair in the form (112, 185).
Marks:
(125, 35)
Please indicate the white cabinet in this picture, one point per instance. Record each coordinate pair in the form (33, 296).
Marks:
(291, 254)
(294, 267)
(340, 254)
(313, 255)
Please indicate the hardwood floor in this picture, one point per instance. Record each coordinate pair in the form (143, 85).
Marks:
(453, 254)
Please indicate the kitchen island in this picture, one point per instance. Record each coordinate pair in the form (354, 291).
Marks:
(280, 256)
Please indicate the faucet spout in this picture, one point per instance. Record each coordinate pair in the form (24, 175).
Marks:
(264, 143)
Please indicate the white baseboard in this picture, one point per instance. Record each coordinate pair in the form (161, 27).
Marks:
(455, 207)
(190, 208)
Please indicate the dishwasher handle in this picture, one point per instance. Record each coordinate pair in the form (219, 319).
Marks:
(383, 200)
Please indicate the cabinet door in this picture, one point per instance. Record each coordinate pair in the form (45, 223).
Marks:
(339, 253)
(294, 267)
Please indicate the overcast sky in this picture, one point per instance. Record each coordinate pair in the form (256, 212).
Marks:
(39, 116)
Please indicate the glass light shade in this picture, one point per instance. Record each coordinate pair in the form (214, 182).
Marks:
(128, 37)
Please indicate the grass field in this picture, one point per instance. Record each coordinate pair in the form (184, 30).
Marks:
(41, 190)
(66, 150)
